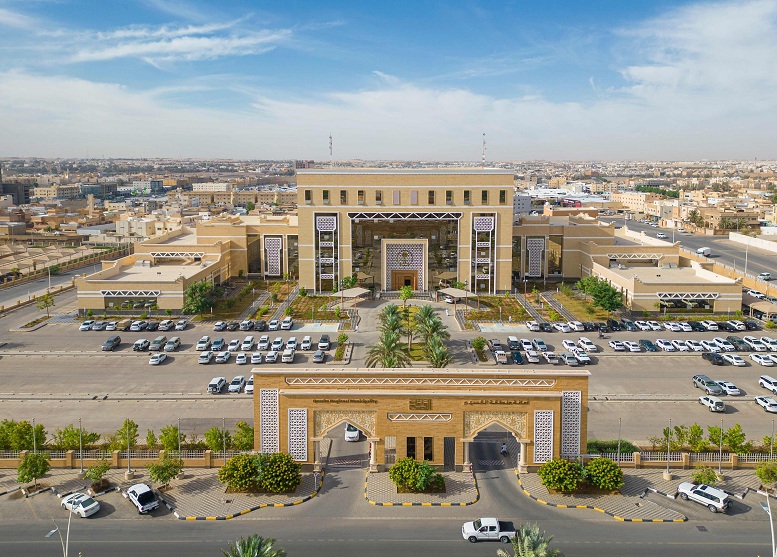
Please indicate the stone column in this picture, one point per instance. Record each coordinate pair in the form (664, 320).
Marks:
(316, 456)
(466, 454)
(523, 467)
(373, 457)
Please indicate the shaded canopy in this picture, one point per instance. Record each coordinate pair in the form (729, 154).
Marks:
(351, 293)
(447, 275)
(457, 293)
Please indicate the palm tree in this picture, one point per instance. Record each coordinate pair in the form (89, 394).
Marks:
(254, 546)
(437, 353)
(386, 313)
(530, 542)
(725, 223)
(433, 327)
(388, 352)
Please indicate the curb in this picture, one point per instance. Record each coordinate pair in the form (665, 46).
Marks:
(246, 511)
(422, 504)
(10, 491)
(615, 516)
(28, 495)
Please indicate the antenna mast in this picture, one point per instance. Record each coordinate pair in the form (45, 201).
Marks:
(483, 164)
(331, 162)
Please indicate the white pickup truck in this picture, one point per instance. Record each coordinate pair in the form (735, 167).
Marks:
(500, 356)
(488, 529)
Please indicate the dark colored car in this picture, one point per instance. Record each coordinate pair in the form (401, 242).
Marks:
(739, 344)
(602, 327)
(714, 358)
(546, 327)
(260, 325)
(588, 326)
(153, 326)
(111, 343)
(726, 326)
(751, 325)
(628, 324)
(697, 326)
(233, 326)
(648, 345)
(614, 324)
(517, 358)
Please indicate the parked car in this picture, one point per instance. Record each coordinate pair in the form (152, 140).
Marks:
(648, 345)
(770, 343)
(220, 326)
(738, 325)
(138, 325)
(166, 325)
(287, 356)
(533, 326)
(494, 345)
(141, 345)
(111, 343)
(500, 357)
(642, 325)
(217, 385)
(256, 358)
(617, 345)
(755, 344)
(680, 345)
(723, 344)
(237, 384)
(203, 344)
(734, 360)
(319, 357)
(351, 433)
(586, 344)
(247, 325)
(307, 343)
(546, 327)
(287, 323)
(713, 403)
(582, 357)
(263, 343)
(767, 403)
(632, 346)
(550, 357)
(762, 359)
(710, 345)
(697, 326)
(323, 342)
(540, 345)
(143, 498)
(157, 358)
(249, 390)
(260, 325)
(172, 345)
(729, 388)
(710, 325)
(614, 324)
(516, 357)
(241, 359)
(111, 326)
(701, 381)
(247, 344)
(152, 326)
(80, 504)
(739, 344)
(714, 358)
(271, 357)
(568, 345)
(205, 357)
(562, 327)
(86, 325)
(752, 325)
(217, 345)
(569, 359)
(694, 345)
(234, 345)
(714, 499)
(158, 343)
(233, 326)
(277, 344)
(768, 382)
(628, 324)
(223, 357)
(100, 326)
(274, 325)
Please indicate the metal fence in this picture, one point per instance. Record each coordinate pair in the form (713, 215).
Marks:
(660, 456)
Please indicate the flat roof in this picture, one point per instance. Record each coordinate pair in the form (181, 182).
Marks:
(447, 372)
(165, 273)
(270, 219)
(673, 275)
(183, 239)
(356, 171)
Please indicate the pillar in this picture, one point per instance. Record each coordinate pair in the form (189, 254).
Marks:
(316, 456)
(523, 467)
(466, 454)
(373, 457)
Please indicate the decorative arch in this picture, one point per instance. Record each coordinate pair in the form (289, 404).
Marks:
(325, 420)
(515, 422)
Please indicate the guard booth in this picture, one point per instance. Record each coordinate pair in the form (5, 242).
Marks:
(429, 414)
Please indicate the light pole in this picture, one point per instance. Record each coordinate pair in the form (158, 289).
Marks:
(66, 542)
(81, 445)
(771, 442)
(224, 439)
(668, 476)
(34, 445)
(619, 442)
(466, 294)
(720, 450)
(747, 248)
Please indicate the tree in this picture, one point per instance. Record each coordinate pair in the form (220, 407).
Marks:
(151, 439)
(66, 439)
(55, 269)
(31, 467)
(530, 542)
(126, 437)
(218, 439)
(96, 472)
(46, 301)
(561, 475)
(168, 438)
(165, 470)
(241, 472)
(198, 297)
(767, 472)
(250, 206)
(405, 294)
(479, 343)
(280, 473)
(388, 352)
(254, 546)
(18, 436)
(735, 438)
(243, 438)
(437, 353)
(704, 475)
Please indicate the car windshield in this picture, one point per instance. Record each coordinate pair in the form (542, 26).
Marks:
(349, 427)
(87, 502)
(476, 525)
(146, 497)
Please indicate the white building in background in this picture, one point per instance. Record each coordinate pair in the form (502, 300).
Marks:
(212, 186)
(521, 203)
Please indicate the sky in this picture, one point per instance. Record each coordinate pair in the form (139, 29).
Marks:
(421, 80)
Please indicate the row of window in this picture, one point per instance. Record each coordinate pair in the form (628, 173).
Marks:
(428, 448)
(431, 197)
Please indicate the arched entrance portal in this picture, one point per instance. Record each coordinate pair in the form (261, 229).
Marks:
(345, 449)
(484, 434)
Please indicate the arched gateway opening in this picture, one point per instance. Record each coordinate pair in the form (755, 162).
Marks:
(428, 414)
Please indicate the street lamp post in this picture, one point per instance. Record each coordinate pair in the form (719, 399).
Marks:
(668, 476)
(81, 445)
(619, 442)
(65, 542)
(34, 445)
(720, 450)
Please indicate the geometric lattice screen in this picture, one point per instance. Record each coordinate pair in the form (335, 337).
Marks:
(570, 423)
(298, 433)
(543, 435)
(268, 420)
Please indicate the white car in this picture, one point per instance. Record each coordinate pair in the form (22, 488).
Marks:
(205, 357)
(734, 360)
(665, 345)
(762, 359)
(680, 345)
(273, 325)
(632, 346)
(271, 357)
(550, 357)
(729, 388)
(755, 344)
(767, 403)
(738, 325)
(237, 384)
(351, 433)
(660, 235)
(714, 499)
(713, 403)
(770, 343)
(166, 325)
(306, 344)
(264, 343)
(531, 325)
(256, 358)
(586, 344)
(526, 344)
(709, 325)
(772, 357)
(540, 345)
(568, 345)
(710, 345)
(532, 357)
(617, 345)
(562, 327)
(223, 357)
(291, 344)
(203, 344)
(655, 325)
(111, 326)
(248, 344)
(756, 294)
(277, 344)
(87, 325)
(219, 326)
(642, 325)
(138, 325)
(672, 326)
(181, 324)
(576, 326)
(157, 358)
(582, 357)
(143, 498)
(724, 344)
(241, 359)
(695, 345)
(249, 390)
(234, 345)
(80, 504)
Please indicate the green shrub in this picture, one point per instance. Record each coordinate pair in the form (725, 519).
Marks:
(280, 474)
(241, 472)
(561, 475)
(410, 475)
(595, 446)
(479, 343)
(165, 470)
(97, 471)
(604, 474)
(704, 475)
(276, 473)
(767, 472)
(303, 292)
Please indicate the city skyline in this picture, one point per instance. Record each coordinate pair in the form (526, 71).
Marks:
(616, 81)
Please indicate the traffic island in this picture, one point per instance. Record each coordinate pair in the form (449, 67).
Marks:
(629, 506)
(461, 489)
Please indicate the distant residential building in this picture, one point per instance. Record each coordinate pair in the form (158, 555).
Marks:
(100, 190)
(57, 191)
(521, 203)
(212, 186)
(20, 192)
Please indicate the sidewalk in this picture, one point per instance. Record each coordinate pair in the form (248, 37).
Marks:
(460, 490)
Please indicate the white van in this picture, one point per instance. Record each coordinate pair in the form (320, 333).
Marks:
(248, 344)
(703, 251)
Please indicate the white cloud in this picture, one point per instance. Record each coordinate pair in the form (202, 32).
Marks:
(15, 19)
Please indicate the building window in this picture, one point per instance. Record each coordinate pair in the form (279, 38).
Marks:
(414, 197)
(484, 197)
(396, 197)
(429, 448)
(307, 196)
(466, 197)
(502, 197)
(325, 194)
(378, 197)
(360, 197)
(343, 197)
(448, 197)
(411, 447)
(431, 197)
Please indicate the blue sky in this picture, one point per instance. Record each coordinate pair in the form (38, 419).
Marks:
(422, 80)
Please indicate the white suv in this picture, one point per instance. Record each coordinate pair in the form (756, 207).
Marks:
(143, 498)
(714, 499)
(768, 382)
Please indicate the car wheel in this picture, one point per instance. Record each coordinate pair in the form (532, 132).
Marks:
(684, 496)
(472, 539)
(504, 539)
(712, 508)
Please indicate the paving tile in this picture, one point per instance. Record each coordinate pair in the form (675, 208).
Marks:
(459, 489)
